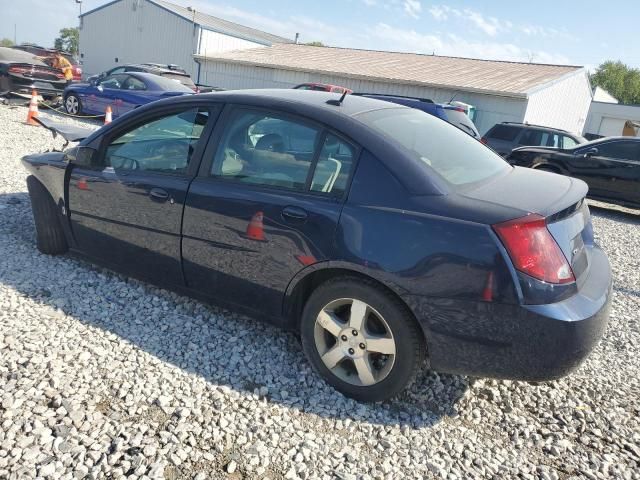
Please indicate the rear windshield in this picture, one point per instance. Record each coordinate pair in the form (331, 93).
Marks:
(462, 121)
(183, 79)
(170, 85)
(454, 155)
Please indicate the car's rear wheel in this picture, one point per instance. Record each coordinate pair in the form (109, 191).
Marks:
(72, 104)
(361, 339)
(50, 237)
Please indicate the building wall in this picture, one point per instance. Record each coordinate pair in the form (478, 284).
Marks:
(609, 119)
(491, 109)
(563, 104)
(211, 42)
(136, 31)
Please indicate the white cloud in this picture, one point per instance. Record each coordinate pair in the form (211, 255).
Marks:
(489, 25)
(453, 45)
(369, 3)
(440, 13)
(413, 8)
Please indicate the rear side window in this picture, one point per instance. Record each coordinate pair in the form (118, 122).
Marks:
(620, 150)
(540, 138)
(454, 155)
(267, 149)
(507, 133)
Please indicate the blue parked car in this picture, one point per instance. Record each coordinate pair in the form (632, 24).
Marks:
(387, 238)
(449, 113)
(123, 92)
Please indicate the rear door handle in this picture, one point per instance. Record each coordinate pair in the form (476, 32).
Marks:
(294, 213)
(158, 194)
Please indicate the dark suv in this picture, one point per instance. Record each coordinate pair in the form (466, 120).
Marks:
(504, 137)
(455, 115)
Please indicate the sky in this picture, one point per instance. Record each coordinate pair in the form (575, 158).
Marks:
(545, 31)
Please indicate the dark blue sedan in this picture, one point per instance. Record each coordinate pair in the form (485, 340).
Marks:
(122, 91)
(388, 239)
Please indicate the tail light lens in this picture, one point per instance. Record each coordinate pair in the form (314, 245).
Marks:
(533, 249)
(483, 141)
(19, 70)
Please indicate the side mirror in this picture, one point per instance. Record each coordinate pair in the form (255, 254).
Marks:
(82, 156)
(100, 87)
(591, 152)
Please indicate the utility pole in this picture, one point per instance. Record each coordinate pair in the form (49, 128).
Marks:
(15, 33)
(79, 2)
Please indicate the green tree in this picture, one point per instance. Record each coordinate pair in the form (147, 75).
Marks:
(315, 44)
(6, 42)
(68, 40)
(620, 80)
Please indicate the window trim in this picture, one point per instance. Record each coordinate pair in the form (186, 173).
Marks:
(198, 151)
(211, 150)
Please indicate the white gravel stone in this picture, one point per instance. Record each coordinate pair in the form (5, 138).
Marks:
(102, 376)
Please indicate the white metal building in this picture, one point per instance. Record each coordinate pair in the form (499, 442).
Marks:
(157, 31)
(552, 95)
(611, 119)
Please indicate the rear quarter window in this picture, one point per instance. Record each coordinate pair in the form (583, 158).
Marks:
(507, 133)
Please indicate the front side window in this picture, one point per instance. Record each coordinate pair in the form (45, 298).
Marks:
(568, 142)
(163, 145)
(620, 150)
(114, 82)
(265, 149)
(452, 154)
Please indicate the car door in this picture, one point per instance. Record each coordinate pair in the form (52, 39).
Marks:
(620, 170)
(109, 93)
(264, 207)
(133, 94)
(127, 211)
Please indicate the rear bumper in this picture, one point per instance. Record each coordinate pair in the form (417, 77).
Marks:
(520, 342)
(25, 86)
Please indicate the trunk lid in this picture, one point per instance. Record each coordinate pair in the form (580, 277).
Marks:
(560, 199)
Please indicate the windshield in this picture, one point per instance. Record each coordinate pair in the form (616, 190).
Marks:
(454, 155)
(183, 79)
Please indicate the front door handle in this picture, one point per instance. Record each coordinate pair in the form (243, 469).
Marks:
(158, 194)
(295, 214)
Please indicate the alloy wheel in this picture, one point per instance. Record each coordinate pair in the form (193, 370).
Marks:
(354, 342)
(72, 105)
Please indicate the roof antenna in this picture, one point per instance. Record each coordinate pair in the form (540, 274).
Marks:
(338, 103)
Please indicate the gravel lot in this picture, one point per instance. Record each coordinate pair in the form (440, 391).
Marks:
(105, 377)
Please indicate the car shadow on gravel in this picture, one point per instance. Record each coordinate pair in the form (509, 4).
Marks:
(224, 348)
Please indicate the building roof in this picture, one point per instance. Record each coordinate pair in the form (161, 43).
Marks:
(482, 76)
(212, 23)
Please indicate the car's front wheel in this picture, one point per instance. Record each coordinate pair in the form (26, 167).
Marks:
(361, 339)
(72, 104)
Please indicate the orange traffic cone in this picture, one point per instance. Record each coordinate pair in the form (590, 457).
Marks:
(107, 115)
(33, 109)
(255, 230)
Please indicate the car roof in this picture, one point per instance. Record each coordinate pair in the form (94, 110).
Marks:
(155, 68)
(539, 127)
(351, 105)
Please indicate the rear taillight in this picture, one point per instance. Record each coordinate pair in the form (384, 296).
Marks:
(533, 250)
(19, 70)
(483, 141)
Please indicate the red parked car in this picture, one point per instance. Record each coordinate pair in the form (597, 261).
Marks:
(46, 53)
(323, 87)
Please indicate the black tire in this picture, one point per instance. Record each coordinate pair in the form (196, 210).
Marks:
(409, 340)
(49, 234)
(68, 109)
